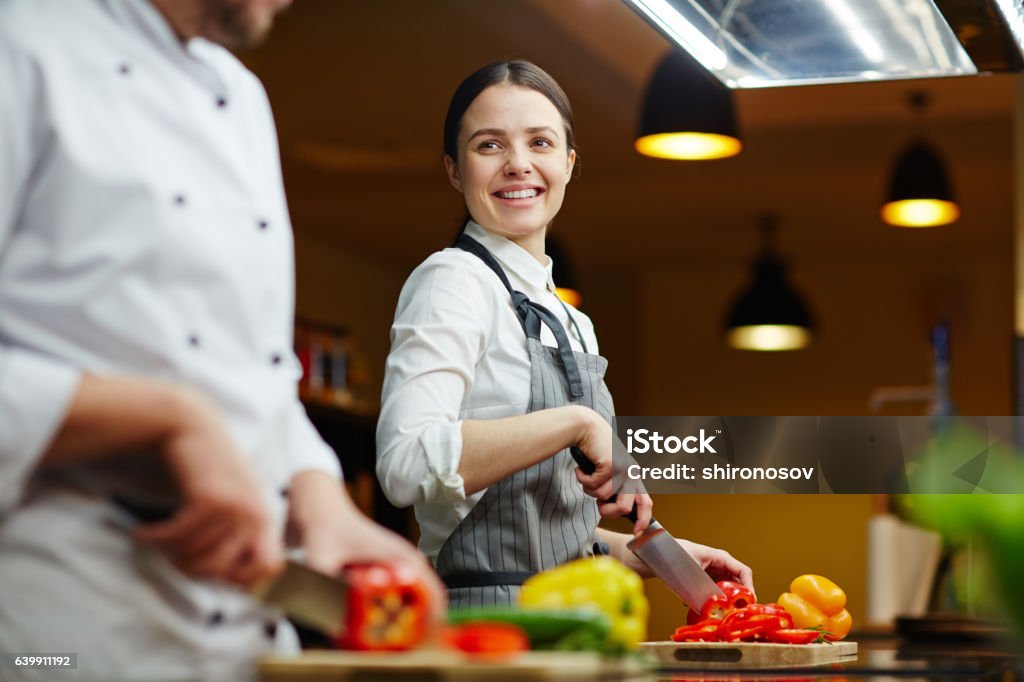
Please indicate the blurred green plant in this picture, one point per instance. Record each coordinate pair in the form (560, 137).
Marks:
(989, 511)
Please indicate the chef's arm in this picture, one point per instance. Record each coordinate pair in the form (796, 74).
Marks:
(35, 390)
(110, 415)
(493, 449)
(223, 529)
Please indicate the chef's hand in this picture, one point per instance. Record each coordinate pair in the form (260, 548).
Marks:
(223, 528)
(719, 564)
(330, 528)
(596, 444)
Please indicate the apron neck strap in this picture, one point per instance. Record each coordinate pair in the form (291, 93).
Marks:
(531, 314)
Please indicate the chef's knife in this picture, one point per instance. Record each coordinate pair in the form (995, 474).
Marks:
(308, 597)
(663, 554)
(367, 606)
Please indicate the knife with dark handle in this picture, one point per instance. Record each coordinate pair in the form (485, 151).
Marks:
(365, 606)
(663, 554)
(311, 598)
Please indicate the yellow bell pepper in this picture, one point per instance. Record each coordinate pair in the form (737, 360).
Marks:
(600, 583)
(816, 602)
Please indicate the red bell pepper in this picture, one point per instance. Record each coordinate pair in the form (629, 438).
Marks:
(387, 608)
(493, 640)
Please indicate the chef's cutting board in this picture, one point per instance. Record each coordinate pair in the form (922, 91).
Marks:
(749, 655)
(446, 666)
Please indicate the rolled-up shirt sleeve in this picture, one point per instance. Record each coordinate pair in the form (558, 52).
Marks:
(35, 390)
(439, 335)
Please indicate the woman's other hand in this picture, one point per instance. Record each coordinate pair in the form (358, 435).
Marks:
(719, 564)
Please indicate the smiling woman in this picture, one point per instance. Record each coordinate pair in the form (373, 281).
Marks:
(491, 379)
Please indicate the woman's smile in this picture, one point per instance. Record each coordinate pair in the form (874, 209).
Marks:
(519, 195)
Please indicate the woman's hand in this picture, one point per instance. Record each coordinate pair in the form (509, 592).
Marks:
(595, 441)
(719, 564)
(623, 504)
(596, 445)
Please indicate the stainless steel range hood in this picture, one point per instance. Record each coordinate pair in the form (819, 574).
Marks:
(764, 43)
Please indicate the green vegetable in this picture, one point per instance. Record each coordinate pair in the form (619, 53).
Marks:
(563, 629)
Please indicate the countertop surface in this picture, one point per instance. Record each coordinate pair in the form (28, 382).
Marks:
(878, 658)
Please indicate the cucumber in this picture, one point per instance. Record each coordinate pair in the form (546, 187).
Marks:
(545, 628)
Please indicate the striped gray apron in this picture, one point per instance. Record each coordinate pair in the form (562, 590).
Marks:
(538, 517)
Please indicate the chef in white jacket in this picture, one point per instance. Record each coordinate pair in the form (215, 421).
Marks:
(146, 308)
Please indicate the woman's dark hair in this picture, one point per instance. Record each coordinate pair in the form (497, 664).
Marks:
(515, 72)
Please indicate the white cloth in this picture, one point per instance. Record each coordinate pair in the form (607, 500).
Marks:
(458, 351)
(143, 230)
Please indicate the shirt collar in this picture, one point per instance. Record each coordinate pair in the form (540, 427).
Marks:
(147, 19)
(513, 258)
(150, 22)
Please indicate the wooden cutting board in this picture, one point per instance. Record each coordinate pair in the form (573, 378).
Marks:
(446, 666)
(747, 655)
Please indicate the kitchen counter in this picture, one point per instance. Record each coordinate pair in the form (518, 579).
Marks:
(878, 658)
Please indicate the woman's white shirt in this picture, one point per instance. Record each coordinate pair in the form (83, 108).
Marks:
(458, 351)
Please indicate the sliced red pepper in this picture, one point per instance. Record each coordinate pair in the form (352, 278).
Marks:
(734, 616)
(734, 596)
(753, 627)
(715, 607)
(793, 636)
(758, 612)
(771, 608)
(741, 634)
(705, 631)
(737, 596)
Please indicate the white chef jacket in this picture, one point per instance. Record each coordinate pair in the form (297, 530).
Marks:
(143, 230)
(458, 351)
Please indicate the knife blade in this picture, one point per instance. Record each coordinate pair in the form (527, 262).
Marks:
(664, 555)
(678, 570)
(308, 597)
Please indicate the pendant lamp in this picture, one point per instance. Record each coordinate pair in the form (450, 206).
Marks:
(687, 113)
(769, 315)
(563, 274)
(919, 190)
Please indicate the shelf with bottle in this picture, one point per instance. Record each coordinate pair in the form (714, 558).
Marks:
(335, 390)
(334, 374)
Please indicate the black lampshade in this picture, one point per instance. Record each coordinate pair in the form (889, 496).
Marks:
(919, 189)
(769, 314)
(687, 113)
(919, 193)
(563, 273)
